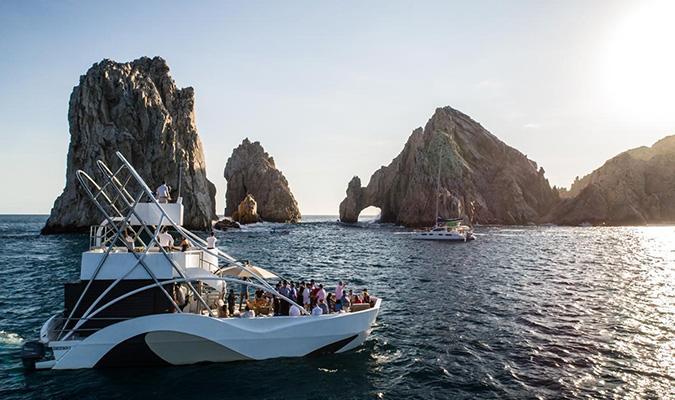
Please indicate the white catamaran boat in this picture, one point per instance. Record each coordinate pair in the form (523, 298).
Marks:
(139, 304)
(447, 229)
(451, 230)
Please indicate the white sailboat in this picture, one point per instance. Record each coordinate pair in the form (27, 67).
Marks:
(452, 229)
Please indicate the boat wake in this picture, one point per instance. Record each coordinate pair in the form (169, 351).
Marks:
(10, 338)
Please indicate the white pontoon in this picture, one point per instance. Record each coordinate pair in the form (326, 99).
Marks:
(129, 306)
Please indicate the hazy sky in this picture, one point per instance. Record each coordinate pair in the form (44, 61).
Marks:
(334, 89)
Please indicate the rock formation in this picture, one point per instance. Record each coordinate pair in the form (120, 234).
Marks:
(635, 187)
(481, 178)
(226, 223)
(134, 108)
(250, 170)
(247, 211)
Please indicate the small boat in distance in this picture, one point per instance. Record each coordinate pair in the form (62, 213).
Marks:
(139, 301)
(445, 229)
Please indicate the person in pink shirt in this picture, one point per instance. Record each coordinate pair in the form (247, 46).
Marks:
(339, 290)
(321, 294)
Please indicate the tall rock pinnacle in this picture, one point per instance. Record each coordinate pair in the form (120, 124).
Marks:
(134, 108)
(250, 170)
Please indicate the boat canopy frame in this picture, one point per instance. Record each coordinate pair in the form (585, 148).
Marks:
(118, 208)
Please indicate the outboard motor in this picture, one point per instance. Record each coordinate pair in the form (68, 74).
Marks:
(31, 352)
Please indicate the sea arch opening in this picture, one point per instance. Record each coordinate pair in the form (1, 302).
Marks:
(370, 214)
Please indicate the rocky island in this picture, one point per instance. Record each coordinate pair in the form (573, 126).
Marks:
(251, 171)
(482, 178)
(134, 108)
(634, 188)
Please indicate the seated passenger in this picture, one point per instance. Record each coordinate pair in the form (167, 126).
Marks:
(259, 301)
(317, 310)
(248, 313)
(345, 303)
(222, 308)
(365, 297)
(185, 244)
(354, 299)
(330, 302)
(294, 311)
(323, 306)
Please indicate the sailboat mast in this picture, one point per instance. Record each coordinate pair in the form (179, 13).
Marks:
(438, 183)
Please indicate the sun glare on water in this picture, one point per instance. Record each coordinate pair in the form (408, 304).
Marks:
(638, 63)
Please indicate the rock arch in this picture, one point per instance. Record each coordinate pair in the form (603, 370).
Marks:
(482, 178)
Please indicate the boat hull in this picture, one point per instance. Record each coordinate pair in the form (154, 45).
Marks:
(183, 339)
(446, 237)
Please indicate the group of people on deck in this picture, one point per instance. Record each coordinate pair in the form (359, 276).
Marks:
(313, 297)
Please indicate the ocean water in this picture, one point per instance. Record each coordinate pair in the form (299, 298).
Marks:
(522, 312)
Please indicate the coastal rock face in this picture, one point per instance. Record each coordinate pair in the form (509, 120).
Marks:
(250, 170)
(134, 108)
(635, 187)
(481, 178)
(247, 211)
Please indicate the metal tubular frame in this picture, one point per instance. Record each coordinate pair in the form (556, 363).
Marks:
(119, 222)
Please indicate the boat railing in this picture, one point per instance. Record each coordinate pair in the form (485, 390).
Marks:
(100, 236)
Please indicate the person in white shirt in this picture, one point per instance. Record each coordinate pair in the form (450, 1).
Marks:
(248, 313)
(305, 298)
(211, 241)
(163, 193)
(294, 311)
(165, 240)
(317, 310)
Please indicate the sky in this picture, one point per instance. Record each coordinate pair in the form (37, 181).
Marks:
(333, 89)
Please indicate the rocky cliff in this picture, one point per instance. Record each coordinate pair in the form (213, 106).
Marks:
(635, 187)
(481, 178)
(134, 108)
(250, 170)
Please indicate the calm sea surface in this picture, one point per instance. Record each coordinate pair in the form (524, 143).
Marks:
(520, 313)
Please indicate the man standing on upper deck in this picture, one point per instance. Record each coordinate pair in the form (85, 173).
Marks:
(211, 241)
(163, 193)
